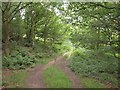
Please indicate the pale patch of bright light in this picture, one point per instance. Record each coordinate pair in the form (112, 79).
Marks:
(76, 27)
(50, 8)
(22, 13)
(80, 18)
(66, 4)
(14, 18)
(57, 11)
(68, 17)
(33, 12)
(36, 37)
(24, 35)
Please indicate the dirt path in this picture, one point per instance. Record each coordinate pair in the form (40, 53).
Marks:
(63, 64)
(35, 80)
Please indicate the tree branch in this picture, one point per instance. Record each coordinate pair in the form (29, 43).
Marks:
(1, 7)
(6, 6)
(101, 5)
(15, 9)
(15, 12)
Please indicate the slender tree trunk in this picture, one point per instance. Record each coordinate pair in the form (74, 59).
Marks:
(44, 34)
(33, 34)
(45, 31)
(98, 43)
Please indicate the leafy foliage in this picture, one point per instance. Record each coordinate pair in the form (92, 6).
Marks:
(19, 59)
(95, 64)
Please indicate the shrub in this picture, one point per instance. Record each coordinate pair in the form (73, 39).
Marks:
(18, 61)
(94, 64)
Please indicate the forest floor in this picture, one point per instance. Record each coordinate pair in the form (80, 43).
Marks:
(36, 79)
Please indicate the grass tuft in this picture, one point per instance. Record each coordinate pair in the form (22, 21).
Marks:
(55, 78)
(91, 83)
(17, 79)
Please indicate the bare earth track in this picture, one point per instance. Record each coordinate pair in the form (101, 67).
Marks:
(36, 80)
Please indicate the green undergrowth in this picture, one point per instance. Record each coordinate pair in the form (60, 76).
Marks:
(45, 57)
(23, 57)
(100, 64)
(20, 58)
(88, 82)
(55, 78)
(16, 80)
(18, 61)
(45, 60)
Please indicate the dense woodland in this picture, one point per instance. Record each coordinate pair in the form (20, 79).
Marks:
(87, 34)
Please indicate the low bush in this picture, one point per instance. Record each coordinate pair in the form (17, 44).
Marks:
(18, 61)
(91, 83)
(23, 57)
(95, 64)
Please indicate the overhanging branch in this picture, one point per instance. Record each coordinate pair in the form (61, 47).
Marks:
(15, 12)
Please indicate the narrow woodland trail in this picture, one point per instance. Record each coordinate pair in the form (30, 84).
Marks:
(36, 80)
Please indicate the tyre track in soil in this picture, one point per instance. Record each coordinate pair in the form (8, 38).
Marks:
(36, 80)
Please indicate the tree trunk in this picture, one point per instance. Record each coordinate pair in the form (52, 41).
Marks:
(44, 34)
(98, 39)
(33, 34)
(6, 30)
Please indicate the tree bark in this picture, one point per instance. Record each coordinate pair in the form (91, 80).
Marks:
(33, 34)
(45, 35)
(6, 30)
